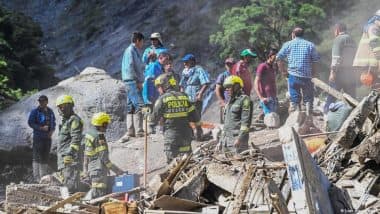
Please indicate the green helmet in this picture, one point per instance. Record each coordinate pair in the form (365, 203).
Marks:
(166, 81)
(248, 52)
(232, 80)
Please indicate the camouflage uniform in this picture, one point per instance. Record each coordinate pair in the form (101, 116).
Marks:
(177, 111)
(237, 121)
(96, 152)
(69, 138)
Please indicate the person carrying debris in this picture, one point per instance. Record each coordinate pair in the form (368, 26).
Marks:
(242, 70)
(220, 91)
(42, 121)
(265, 84)
(194, 81)
(69, 141)
(96, 162)
(302, 57)
(237, 117)
(132, 74)
(150, 53)
(177, 112)
(367, 58)
(342, 76)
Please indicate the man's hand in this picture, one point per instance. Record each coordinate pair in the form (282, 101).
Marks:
(50, 134)
(222, 103)
(237, 143)
(332, 76)
(199, 97)
(152, 55)
(265, 100)
(139, 86)
(44, 128)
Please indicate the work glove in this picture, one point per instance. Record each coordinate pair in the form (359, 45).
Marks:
(68, 159)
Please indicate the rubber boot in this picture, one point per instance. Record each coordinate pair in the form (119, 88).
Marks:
(130, 124)
(43, 169)
(139, 122)
(36, 171)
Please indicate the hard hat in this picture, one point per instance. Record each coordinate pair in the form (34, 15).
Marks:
(232, 80)
(100, 118)
(165, 80)
(377, 13)
(64, 99)
(156, 36)
(248, 52)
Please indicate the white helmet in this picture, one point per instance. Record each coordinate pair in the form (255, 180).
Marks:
(377, 13)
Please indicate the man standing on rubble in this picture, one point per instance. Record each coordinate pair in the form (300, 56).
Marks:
(220, 91)
(367, 58)
(242, 70)
(342, 76)
(42, 121)
(97, 163)
(237, 117)
(302, 58)
(69, 140)
(132, 74)
(177, 111)
(194, 81)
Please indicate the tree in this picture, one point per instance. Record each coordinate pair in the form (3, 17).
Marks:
(264, 24)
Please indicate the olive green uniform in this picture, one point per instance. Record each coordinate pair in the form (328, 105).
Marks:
(177, 111)
(69, 139)
(237, 121)
(96, 152)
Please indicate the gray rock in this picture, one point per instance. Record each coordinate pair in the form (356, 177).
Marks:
(93, 90)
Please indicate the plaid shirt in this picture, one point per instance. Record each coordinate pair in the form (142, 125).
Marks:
(300, 55)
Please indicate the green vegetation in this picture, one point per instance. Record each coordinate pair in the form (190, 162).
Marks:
(22, 66)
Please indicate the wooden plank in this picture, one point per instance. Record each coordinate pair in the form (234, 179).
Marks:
(243, 189)
(62, 203)
(308, 184)
(167, 202)
(276, 197)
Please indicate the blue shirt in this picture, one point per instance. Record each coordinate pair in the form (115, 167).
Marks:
(300, 55)
(149, 91)
(157, 50)
(192, 81)
(220, 80)
(38, 118)
(132, 68)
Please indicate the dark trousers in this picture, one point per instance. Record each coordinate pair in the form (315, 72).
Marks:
(41, 149)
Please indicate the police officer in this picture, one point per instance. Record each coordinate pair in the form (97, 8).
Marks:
(177, 111)
(97, 162)
(237, 117)
(69, 138)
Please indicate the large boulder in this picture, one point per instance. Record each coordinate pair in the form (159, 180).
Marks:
(93, 90)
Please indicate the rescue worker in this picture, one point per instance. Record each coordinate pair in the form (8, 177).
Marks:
(237, 117)
(177, 112)
(367, 58)
(96, 162)
(69, 139)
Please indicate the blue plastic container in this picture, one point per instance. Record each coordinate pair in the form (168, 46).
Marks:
(125, 182)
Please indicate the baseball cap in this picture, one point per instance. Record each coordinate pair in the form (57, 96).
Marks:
(248, 52)
(188, 57)
(43, 98)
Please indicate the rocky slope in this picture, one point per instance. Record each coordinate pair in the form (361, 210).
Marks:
(78, 34)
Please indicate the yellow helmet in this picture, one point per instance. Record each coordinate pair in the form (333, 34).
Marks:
(64, 99)
(98, 119)
(231, 80)
(165, 80)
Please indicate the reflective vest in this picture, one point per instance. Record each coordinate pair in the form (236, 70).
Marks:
(369, 44)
